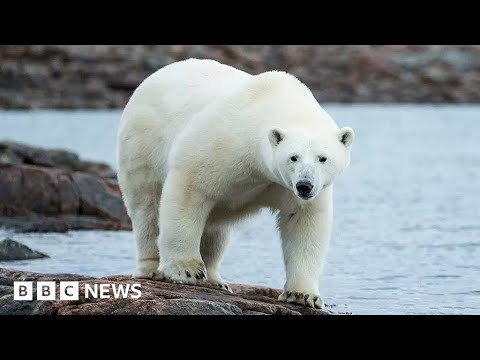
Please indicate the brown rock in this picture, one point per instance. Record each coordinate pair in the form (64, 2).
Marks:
(39, 187)
(68, 195)
(104, 76)
(53, 190)
(157, 298)
(97, 199)
(18, 153)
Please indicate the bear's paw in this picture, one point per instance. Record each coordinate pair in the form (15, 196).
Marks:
(146, 269)
(219, 285)
(302, 298)
(183, 271)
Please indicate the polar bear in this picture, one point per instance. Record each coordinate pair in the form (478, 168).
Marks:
(202, 145)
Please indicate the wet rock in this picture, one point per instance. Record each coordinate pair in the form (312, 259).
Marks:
(157, 298)
(13, 250)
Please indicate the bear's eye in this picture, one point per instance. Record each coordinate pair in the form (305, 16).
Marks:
(322, 159)
(294, 158)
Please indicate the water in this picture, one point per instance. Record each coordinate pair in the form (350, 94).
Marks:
(406, 235)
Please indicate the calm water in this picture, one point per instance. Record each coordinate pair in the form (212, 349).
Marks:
(406, 235)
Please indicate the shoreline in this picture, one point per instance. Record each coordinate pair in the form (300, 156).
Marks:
(156, 298)
(105, 76)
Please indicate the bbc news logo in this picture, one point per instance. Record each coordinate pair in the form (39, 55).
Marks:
(69, 290)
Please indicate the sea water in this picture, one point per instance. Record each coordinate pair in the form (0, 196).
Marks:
(406, 232)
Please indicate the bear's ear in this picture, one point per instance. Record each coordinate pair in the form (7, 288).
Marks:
(346, 136)
(276, 135)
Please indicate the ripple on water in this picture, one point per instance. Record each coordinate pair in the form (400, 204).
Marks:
(400, 226)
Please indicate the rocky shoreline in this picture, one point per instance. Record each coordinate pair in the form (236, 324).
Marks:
(104, 76)
(45, 190)
(157, 298)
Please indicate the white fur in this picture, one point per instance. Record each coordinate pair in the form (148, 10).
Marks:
(199, 150)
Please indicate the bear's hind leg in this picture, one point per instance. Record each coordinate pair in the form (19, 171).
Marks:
(145, 228)
(213, 246)
(183, 214)
(142, 198)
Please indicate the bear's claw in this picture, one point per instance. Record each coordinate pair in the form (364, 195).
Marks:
(183, 272)
(304, 299)
(219, 285)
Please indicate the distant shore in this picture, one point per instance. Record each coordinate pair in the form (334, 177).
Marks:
(104, 76)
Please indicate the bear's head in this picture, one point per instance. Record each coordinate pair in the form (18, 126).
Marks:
(307, 162)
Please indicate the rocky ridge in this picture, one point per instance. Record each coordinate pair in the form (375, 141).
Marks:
(104, 76)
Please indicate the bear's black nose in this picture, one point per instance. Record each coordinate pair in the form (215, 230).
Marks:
(304, 188)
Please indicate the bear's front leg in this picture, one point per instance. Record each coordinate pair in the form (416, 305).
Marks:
(305, 237)
(183, 214)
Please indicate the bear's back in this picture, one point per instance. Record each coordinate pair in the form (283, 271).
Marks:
(186, 87)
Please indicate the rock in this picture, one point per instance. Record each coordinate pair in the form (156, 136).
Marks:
(97, 199)
(13, 250)
(61, 223)
(17, 153)
(157, 298)
(53, 190)
(104, 76)
(437, 74)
